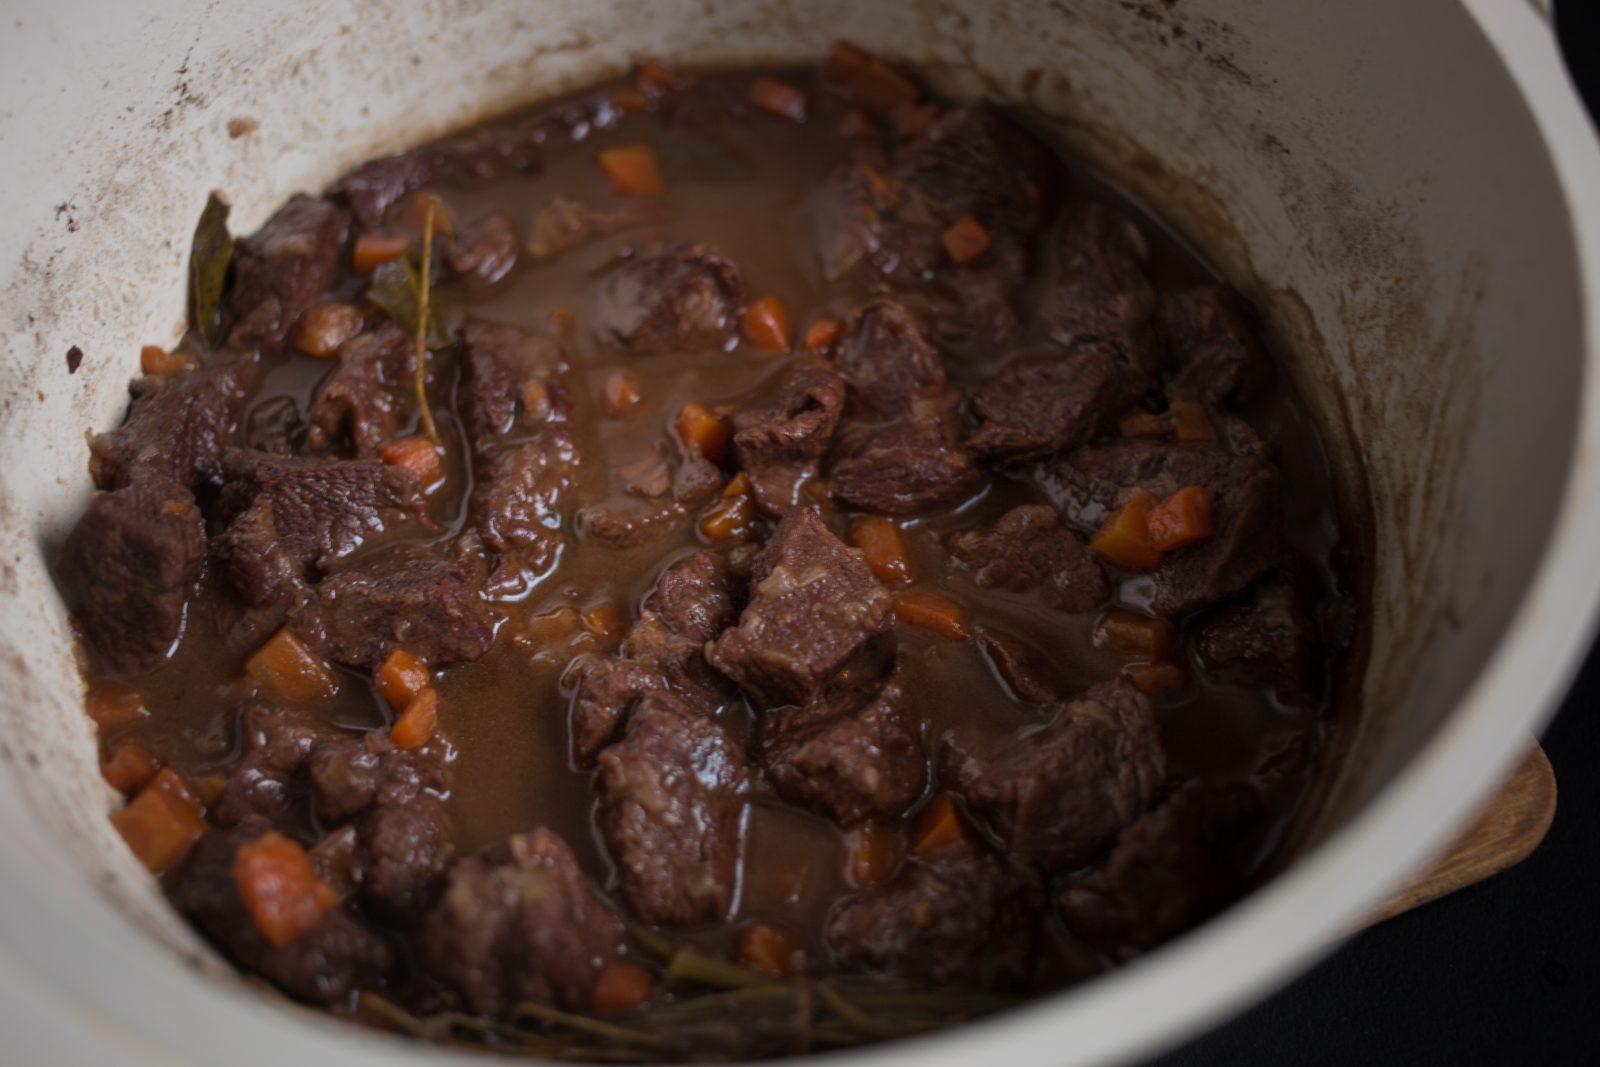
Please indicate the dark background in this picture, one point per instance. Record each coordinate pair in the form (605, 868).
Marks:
(1504, 972)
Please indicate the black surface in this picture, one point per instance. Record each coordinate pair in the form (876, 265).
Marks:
(1504, 972)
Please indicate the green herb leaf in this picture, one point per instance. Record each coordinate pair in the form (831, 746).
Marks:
(209, 257)
(396, 287)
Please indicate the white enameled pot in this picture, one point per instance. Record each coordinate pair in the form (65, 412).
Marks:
(1407, 189)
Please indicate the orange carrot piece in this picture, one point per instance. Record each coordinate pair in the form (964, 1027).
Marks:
(286, 664)
(765, 325)
(703, 432)
(1182, 519)
(778, 98)
(868, 79)
(1161, 681)
(400, 678)
(632, 170)
(324, 327)
(656, 78)
(112, 706)
(621, 394)
(416, 214)
(630, 101)
(931, 612)
(765, 948)
(274, 877)
(417, 455)
(606, 620)
(1124, 538)
(564, 318)
(880, 542)
(161, 822)
(940, 828)
(870, 854)
(821, 335)
(129, 768)
(965, 240)
(419, 722)
(1122, 630)
(155, 360)
(621, 987)
(1191, 423)
(729, 518)
(371, 250)
(1145, 424)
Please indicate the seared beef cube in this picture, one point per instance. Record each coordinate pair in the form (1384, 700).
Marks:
(1211, 339)
(1100, 294)
(405, 849)
(1025, 670)
(849, 763)
(518, 503)
(814, 605)
(375, 185)
(847, 211)
(518, 923)
(1169, 870)
(607, 693)
(422, 598)
(283, 269)
(909, 465)
(779, 446)
(972, 308)
(1266, 640)
(274, 426)
(884, 355)
(350, 774)
(1060, 793)
(965, 921)
(177, 427)
(695, 597)
(368, 396)
(1028, 550)
(484, 250)
(1086, 485)
(683, 299)
(127, 567)
(978, 160)
(276, 743)
(334, 959)
(1042, 404)
(508, 373)
(671, 806)
(564, 224)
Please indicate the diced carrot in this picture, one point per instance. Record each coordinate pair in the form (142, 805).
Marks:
(400, 678)
(324, 327)
(630, 101)
(621, 394)
(879, 540)
(419, 722)
(1145, 424)
(416, 454)
(371, 250)
(965, 240)
(1122, 630)
(870, 855)
(1192, 423)
(113, 706)
(1181, 519)
(1124, 539)
(704, 432)
(153, 359)
(416, 214)
(821, 335)
(728, 519)
(129, 768)
(869, 79)
(564, 318)
(176, 507)
(161, 822)
(633, 170)
(606, 620)
(621, 987)
(535, 399)
(931, 612)
(1162, 681)
(656, 78)
(286, 664)
(765, 325)
(778, 98)
(274, 877)
(940, 828)
(858, 125)
(209, 788)
(885, 188)
(765, 948)
(914, 121)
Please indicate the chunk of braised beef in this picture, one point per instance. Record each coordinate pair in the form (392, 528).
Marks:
(367, 396)
(606, 695)
(1025, 670)
(850, 758)
(906, 465)
(565, 224)
(671, 803)
(967, 921)
(681, 299)
(520, 506)
(334, 959)
(1029, 550)
(275, 742)
(1060, 793)
(282, 269)
(127, 568)
(1170, 869)
(422, 598)
(1087, 484)
(349, 774)
(1099, 294)
(978, 160)
(780, 445)
(1212, 342)
(177, 427)
(274, 426)
(847, 212)
(519, 923)
(405, 850)
(1042, 404)
(509, 376)
(883, 353)
(814, 605)
(1265, 639)
(484, 250)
